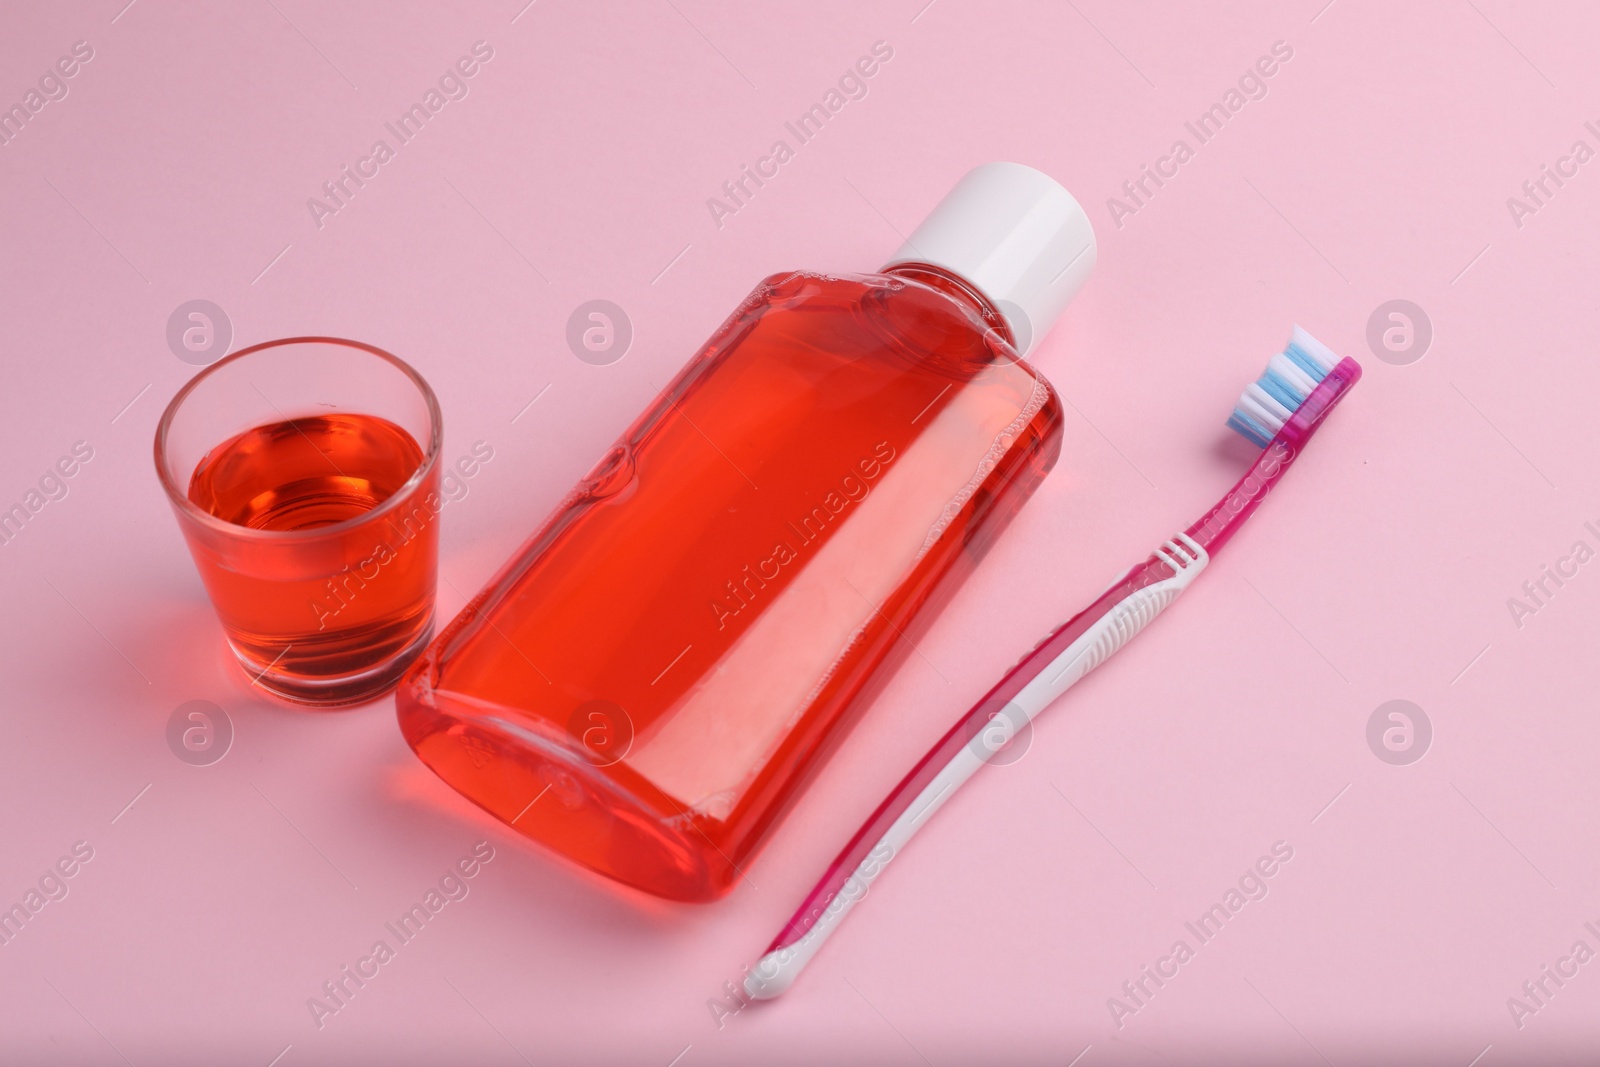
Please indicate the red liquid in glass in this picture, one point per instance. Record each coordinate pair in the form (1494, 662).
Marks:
(649, 683)
(319, 608)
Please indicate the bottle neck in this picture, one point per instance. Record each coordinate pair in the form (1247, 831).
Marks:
(959, 290)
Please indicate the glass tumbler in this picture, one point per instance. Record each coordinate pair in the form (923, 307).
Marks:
(304, 476)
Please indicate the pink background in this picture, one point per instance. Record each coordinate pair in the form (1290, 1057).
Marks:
(1377, 167)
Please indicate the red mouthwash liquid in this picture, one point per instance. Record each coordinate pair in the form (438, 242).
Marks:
(332, 606)
(649, 683)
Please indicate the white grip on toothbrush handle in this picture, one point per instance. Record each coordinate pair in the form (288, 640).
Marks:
(777, 970)
(1104, 639)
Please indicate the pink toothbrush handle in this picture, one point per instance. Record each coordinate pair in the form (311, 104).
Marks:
(955, 740)
(1135, 599)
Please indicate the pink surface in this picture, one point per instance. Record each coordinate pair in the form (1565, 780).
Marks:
(1418, 899)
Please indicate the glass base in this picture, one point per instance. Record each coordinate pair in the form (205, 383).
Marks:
(341, 690)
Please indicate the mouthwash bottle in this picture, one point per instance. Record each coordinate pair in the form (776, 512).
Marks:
(650, 682)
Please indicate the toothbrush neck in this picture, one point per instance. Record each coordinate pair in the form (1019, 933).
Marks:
(958, 289)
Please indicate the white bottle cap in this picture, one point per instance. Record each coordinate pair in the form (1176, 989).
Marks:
(1016, 236)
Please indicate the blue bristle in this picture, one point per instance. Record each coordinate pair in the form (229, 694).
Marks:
(1304, 362)
(1285, 392)
(1281, 391)
(1249, 429)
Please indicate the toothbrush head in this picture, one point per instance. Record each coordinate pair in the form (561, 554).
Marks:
(1290, 377)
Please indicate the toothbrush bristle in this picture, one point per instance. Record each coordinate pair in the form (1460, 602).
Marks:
(1266, 403)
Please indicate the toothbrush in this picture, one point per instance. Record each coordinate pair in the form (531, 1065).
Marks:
(1278, 412)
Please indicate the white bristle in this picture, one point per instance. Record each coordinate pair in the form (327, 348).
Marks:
(1266, 400)
(1256, 410)
(1321, 353)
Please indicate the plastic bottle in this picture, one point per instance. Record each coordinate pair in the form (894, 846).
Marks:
(653, 678)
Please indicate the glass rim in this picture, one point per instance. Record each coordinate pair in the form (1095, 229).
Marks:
(187, 508)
